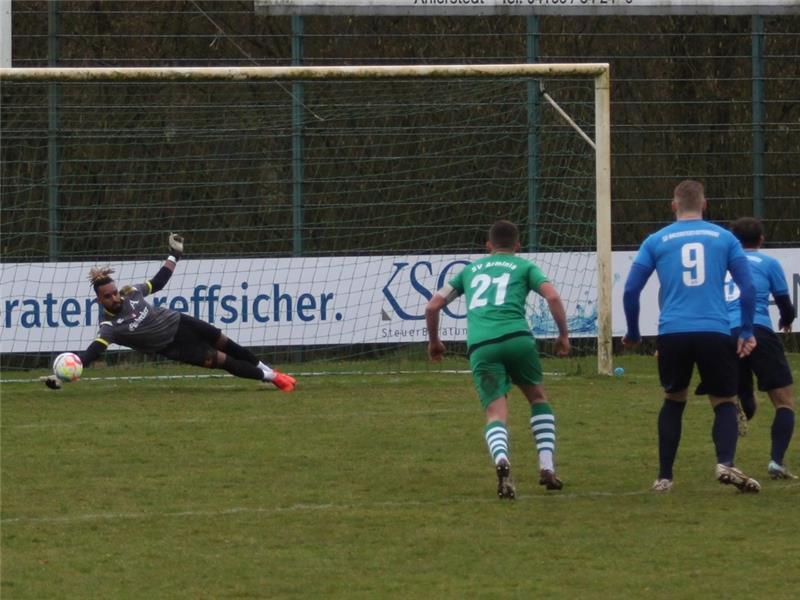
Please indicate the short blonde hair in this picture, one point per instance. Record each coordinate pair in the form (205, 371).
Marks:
(689, 195)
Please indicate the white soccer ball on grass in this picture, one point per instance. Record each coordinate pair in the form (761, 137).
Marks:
(67, 367)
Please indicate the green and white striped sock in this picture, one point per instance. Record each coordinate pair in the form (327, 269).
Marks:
(496, 435)
(543, 427)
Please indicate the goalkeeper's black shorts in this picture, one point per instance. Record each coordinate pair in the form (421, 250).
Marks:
(193, 343)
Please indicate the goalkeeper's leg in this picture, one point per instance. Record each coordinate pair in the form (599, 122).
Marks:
(232, 349)
(188, 348)
(218, 340)
(241, 368)
(198, 353)
(238, 367)
(213, 336)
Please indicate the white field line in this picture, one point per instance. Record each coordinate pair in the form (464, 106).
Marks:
(306, 507)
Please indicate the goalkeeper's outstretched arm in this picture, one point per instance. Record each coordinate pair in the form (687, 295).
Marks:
(159, 281)
(94, 351)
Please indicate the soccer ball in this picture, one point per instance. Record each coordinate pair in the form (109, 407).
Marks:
(67, 366)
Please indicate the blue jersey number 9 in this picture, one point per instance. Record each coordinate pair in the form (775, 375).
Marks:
(694, 264)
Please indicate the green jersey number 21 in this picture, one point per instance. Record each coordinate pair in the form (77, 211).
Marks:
(483, 282)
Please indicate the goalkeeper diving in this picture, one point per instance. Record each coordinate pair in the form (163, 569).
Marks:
(129, 320)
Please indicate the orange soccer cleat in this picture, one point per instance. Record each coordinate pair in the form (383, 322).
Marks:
(284, 382)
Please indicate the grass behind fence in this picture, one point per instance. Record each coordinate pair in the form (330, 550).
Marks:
(375, 486)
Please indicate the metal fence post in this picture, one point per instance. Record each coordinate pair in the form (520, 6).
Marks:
(297, 140)
(758, 114)
(53, 97)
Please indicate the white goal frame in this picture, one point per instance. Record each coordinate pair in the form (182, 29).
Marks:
(602, 141)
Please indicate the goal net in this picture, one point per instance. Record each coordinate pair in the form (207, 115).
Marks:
(321, 207)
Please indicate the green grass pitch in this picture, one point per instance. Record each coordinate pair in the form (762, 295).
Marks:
(376, 485)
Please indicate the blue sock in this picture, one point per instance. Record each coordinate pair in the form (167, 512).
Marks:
(725, 432)
(670, 420)
(782, 429)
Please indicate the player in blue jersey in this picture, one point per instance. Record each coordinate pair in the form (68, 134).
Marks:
(691, 257)
(768, 361)
(130, 320)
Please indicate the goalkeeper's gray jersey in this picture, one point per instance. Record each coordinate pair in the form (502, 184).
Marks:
(139, 324)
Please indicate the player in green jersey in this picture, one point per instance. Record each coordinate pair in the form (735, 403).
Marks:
(501, 348)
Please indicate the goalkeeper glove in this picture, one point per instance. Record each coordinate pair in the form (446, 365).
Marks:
(176, 246)
(51, 381)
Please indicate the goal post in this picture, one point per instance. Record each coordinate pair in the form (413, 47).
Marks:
(108, 118)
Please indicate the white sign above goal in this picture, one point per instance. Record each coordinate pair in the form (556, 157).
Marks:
(527, 7)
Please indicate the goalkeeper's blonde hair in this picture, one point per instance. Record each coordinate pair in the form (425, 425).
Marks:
(100, 276)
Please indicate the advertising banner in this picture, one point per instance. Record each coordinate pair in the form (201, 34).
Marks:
(48, 307)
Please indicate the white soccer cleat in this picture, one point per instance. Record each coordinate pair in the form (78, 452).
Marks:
(733, 476)
(661, 486)
(777, 471)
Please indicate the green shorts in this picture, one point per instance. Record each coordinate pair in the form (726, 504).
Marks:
(496, 366)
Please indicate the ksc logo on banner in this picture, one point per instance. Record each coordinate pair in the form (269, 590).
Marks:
(416, 274)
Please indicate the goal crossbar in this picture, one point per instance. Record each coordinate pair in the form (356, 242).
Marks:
(305, 72)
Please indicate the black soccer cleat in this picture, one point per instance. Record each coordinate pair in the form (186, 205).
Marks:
(550, 480)
(505, 485)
